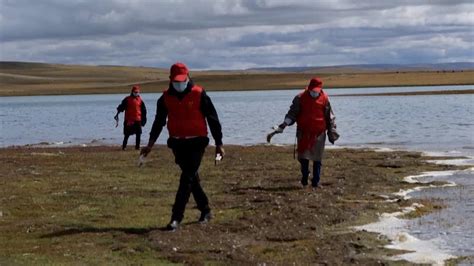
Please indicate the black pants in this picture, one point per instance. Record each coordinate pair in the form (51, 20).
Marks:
(128, 130)
(137, 141)
(305, 172)
(188, 155)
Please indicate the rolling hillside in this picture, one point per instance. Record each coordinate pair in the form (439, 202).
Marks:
(24, 78)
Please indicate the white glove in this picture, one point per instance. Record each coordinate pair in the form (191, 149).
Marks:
(278, 129)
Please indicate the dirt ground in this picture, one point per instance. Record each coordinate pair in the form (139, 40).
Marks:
(93, 205)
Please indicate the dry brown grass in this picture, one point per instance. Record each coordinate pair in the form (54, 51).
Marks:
(48, 79)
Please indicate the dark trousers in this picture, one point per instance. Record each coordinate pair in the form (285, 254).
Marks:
(137, 141)
(305, 172)
(133, 129)
(188, 155)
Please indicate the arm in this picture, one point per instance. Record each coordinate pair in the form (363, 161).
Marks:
(122, 106)
(143, 110)
(331, 123)
(158, 124)
(290, 118)
(209, 111)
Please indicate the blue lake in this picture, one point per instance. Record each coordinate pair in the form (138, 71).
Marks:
(428, 122)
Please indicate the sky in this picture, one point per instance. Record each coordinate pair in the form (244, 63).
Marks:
(237, 34)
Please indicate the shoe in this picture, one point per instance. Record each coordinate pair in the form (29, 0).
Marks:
(304, 181)
(205, 217)
(172, 226)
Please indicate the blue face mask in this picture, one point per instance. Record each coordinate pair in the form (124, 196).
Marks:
(180, 86)
(314, 94)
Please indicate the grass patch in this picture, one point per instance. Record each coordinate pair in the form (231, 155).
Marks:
(93, 205)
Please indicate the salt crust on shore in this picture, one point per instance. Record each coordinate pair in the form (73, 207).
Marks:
(390, 225)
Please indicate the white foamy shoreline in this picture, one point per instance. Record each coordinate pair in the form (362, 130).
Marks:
(395, 228)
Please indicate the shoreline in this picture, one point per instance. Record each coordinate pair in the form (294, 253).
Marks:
(389, 164)
(99, 92)
(73, 80)
(395, 225)
(414, 93)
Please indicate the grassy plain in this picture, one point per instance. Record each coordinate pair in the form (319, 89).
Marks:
(54, 79)
(93, 205)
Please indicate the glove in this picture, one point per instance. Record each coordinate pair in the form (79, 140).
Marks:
(143, 122)
(219, 154)
(279, 129)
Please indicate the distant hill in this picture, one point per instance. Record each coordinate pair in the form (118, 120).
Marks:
(373, 68)
(26, 78)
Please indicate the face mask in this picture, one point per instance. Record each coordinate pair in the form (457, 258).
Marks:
(180, 86)
(314, 94)
(135, 94)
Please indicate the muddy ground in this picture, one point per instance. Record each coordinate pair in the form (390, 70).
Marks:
(94, 205)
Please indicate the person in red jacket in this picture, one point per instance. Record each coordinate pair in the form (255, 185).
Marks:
(135, 116)
(314, 117)
(187, 108)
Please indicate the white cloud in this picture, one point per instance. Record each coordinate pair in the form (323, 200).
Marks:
(236, 33)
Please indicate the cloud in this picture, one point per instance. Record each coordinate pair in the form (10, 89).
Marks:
(236, 34)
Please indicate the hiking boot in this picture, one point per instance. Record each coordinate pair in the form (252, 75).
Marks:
(172, 226)
(205, 217)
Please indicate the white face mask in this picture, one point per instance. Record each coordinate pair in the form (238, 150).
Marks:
(135, 94)
(180, 86)
(314, 94)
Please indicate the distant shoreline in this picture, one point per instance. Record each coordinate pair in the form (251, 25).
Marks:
(414, 93)
(44, 79)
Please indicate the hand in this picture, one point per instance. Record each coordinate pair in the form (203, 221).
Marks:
(276, 130)
(116, 120)
(220, 150)
(145, 150)
(279, 129)
(333, 136)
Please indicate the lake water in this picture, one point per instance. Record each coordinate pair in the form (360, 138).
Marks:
(443, 124)
(449, 226)
(428, 122)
